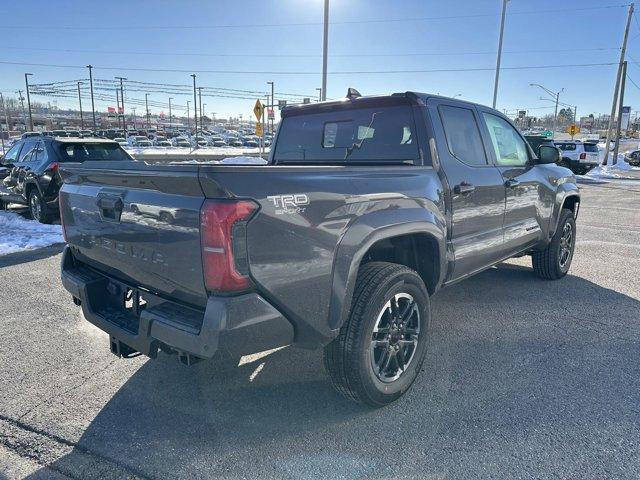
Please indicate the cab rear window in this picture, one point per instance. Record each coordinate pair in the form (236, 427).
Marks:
(363, 135)
(81, 152)
(591, 147)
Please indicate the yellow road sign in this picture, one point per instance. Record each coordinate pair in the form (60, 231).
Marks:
(258, 109)
(259, 129)
(573, 129)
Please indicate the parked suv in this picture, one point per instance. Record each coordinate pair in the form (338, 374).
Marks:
(633, 158)
(29, 170)
(577, 156)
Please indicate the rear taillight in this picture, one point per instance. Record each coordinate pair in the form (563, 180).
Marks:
(583, 156)
(54, 166)
(61, 208)
(224, 245)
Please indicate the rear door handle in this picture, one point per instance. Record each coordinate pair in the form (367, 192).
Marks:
(463, 188)
(511, 183)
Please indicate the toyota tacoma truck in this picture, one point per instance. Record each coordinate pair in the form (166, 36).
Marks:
(368, 206)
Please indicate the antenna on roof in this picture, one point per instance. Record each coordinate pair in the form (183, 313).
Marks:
(353, 93)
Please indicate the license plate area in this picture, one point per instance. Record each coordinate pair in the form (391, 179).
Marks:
(123, 306)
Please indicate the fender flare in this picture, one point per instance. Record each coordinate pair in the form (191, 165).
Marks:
(365, 232)
(566, 193)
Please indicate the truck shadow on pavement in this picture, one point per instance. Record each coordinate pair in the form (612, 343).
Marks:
(513, 360)
(26, 256)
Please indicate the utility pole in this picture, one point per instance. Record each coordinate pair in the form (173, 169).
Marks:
(617, 88)
(26, 82)
(135, 127)
(195, 107)
(170, 98)
(555, 96)
(24, 114)
(614, 160)
(118, 107)
(272, 103)
(124, 121)
(325, 46)
(80, 103)
(93, 106)
(7, 120)
(200, 108)
(319, 94)
(188, 119)
(495, 86)
(146, 103)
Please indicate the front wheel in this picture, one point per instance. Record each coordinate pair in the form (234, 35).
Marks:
(380, 349)
(554, 261)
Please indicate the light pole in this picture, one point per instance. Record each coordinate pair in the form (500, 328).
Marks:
(80, 102)
(7, 120)
(24, 114)
(556, 97)
(93, 106)
(319, 90)
(195, 107)
(188, 119)
(124, 123)
(170, 98)
(146, 106)
(26, 82)
(272, 102)
(495, 85)
(200, 108)
(325, 46)
(203, 113)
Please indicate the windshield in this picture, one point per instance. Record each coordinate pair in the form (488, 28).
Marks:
(81, 152)
(384, 134)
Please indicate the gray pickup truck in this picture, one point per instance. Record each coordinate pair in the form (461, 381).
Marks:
(368, 206)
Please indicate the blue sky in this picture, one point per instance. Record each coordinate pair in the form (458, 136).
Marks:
(114, 33)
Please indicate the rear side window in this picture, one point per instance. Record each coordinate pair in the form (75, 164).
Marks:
(81, 152)
(591, 147)
(362, 135)
(566, 147)
(28, 147)
(463, 135)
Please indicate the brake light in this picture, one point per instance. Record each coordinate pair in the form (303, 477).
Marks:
(583, 156)
(61, 208)
(223, 243)
(54, 166)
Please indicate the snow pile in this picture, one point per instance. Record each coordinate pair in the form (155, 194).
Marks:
(18, 233)
(621, 170)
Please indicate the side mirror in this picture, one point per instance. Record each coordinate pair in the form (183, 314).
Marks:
(548, 154)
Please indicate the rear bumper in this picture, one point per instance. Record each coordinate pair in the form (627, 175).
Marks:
(237, 325)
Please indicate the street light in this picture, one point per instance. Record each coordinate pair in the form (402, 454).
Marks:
(146, 104)
(272, 102)
(325, 46)
(93, 107)
(556, 96)
(195, 107)
(26, 82)
(80, 102)
(124, 122)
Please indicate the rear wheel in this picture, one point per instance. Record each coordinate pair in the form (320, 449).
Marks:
(380, 349)
(38, 207)
(554, 261)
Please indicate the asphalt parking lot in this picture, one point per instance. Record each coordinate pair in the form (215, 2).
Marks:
(523, 379)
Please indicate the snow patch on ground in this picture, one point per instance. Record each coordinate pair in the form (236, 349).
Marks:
(18, 234)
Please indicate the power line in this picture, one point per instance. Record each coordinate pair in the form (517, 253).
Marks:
(268, 72)
(351, 55)
(303, 24)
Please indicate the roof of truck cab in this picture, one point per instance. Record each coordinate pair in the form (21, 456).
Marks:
(400, 98)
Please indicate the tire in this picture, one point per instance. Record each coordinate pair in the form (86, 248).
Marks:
(38, 208)
(553, 262)
(354, 364)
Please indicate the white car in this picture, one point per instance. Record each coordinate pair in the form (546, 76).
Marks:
(579, 157)
(121, 141)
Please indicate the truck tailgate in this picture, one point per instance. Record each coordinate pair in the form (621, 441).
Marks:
(138, 223)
